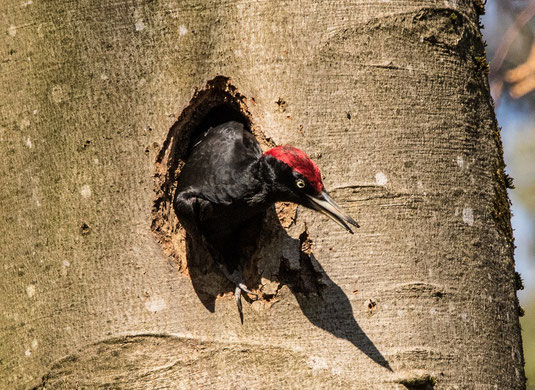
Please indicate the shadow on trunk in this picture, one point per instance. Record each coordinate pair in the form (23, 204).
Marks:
(321, 300)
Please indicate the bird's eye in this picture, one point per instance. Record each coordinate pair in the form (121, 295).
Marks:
(300, 183)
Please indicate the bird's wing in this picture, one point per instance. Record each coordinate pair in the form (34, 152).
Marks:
(217, 166)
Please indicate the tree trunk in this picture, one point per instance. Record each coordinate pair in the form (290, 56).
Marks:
(99, 286)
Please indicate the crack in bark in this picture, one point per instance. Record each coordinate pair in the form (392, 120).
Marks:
(145, 359)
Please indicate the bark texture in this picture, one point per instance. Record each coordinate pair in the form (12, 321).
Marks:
(391, 99)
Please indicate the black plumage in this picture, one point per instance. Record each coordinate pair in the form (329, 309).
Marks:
(227, 181)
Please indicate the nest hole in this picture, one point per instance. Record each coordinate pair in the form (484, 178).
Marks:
(219, 102)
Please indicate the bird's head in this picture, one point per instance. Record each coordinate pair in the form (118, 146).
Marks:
(298, 179)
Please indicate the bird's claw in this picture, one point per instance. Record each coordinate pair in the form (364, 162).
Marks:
(244, 288)
(237, 278)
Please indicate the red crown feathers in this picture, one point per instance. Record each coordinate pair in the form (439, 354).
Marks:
(299, 162)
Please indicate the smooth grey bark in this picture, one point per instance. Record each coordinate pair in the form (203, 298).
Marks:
(391, 99)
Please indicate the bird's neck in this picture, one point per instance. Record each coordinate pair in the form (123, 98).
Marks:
(267, 177)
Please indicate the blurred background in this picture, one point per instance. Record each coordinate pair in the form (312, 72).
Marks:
(510, 35)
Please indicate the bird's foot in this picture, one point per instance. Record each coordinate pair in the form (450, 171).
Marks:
(237, 295)
(237, 278)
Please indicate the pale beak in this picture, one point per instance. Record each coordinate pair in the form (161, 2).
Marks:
(326, 205)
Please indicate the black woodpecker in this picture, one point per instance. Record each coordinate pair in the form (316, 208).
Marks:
(227, 181)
